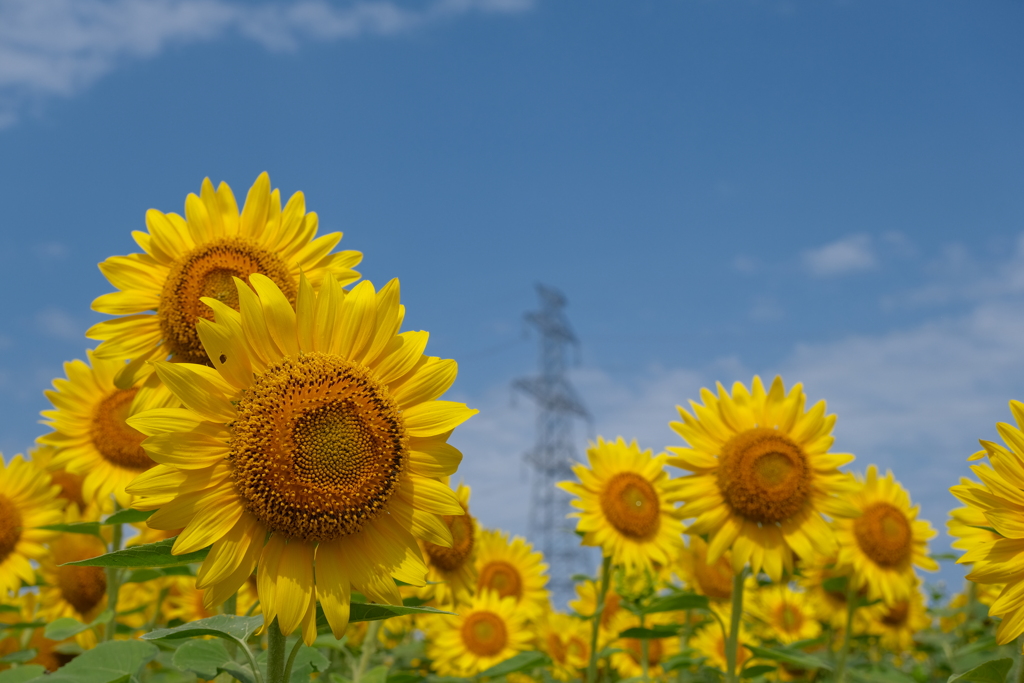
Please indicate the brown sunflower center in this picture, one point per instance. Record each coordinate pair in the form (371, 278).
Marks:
(82, 587)
(10, 526)
(484, 634)
(575, 647)
(113, 438)
(764, 476)
(556, 648)
(205, 271)
(655, 651)
(714, 580)
(70, 486)
(631, 505)
(789, 617)
(450, 559)
(883, 533)
(318, 447)
(502, 578)
(897, 614)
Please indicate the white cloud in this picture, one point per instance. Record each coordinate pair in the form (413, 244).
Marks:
(59, 47)
(847, 255)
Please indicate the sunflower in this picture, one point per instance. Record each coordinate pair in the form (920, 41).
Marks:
(512, 569)
(967, 525)
(829, 603)
(899, 622)
(91, 438)
(710, 643)
(627, 661)
(614, 616)
(787, 615)
(487, 631)
(627, 504)
(451, 571)
(28, 500)
(316, 436)
(713, 580)
(186, 259)
(762, 475)
(882, 545)
(566, 640)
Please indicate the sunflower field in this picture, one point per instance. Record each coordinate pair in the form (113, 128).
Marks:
(249, 478)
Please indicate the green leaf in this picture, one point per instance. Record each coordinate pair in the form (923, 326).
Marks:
(682, 661)
(993, 671)
(204, 658)
(800, 660)
(521, 662)
(405, 678)
(144, 575)
(374, 612)
(881, 674)
(18, 625)
(309, 659)
(676, 603)
(149, 555)
(755, 671)
(378, 674)
(649, 633)
(413, 601)
(945, 557)
(128, 517)
(111, 662)
(22, 673)
(9, 608)
(836, 584)
(88, 528)
(221, 626)
(19, 657)
(65, 627)
(239, 672)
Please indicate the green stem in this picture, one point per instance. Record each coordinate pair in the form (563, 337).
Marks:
(369, 647)
(156, 612)
(231, 604)
(644, 656)
(687, 634)
(732, 643)
(275, 653)
(113, 581)
(291, 658)
(851, 607)
(606, 575)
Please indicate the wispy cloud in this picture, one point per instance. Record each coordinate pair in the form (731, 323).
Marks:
(59, 47)
(847, 255)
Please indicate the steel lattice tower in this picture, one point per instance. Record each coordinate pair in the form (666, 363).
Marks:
(554, 452)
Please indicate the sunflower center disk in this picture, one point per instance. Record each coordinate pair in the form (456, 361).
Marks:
(113, 438)
(764, 476)
(715, 580)
(10, 527)
(631, 505)
(884, 534)
(790, 618)
(556, 648)
(502, 578)
(450, 559)
(484, 634)
(82, 587)
(318, 447)
(207, 271)
(897, 614)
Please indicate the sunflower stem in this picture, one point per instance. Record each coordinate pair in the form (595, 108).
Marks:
(113, 581)
(275, 653)
(644, 656)
(844, 651)
(606, 575)
(369, 647)
(731, 644)
(231, 604)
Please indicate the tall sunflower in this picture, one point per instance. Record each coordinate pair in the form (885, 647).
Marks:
(628, 659)
(711, 579)
(899, 623)
(883, 544)
(1000, 498)
(28, 500)
(566, 639)
(614, 616)
(626, 504)
(710, 643)
(451, 571)
(91, 437)
(185, 259)
(512, 569)
(762, 475)
(487, 631)
(787, 616)
(317, 429)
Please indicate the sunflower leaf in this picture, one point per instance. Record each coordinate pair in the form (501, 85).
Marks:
(65, 627)
(128, 517)
(676, 603)
(521, 662)
(149, 555)
(110, 662)
(758, 670)
(222, 626)
(992, 671)
(650, 633)
(18, 657)
(22, 673)
(801, 660)
(204, 658)
(88, 528)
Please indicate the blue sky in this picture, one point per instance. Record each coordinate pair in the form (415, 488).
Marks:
(830, 190)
